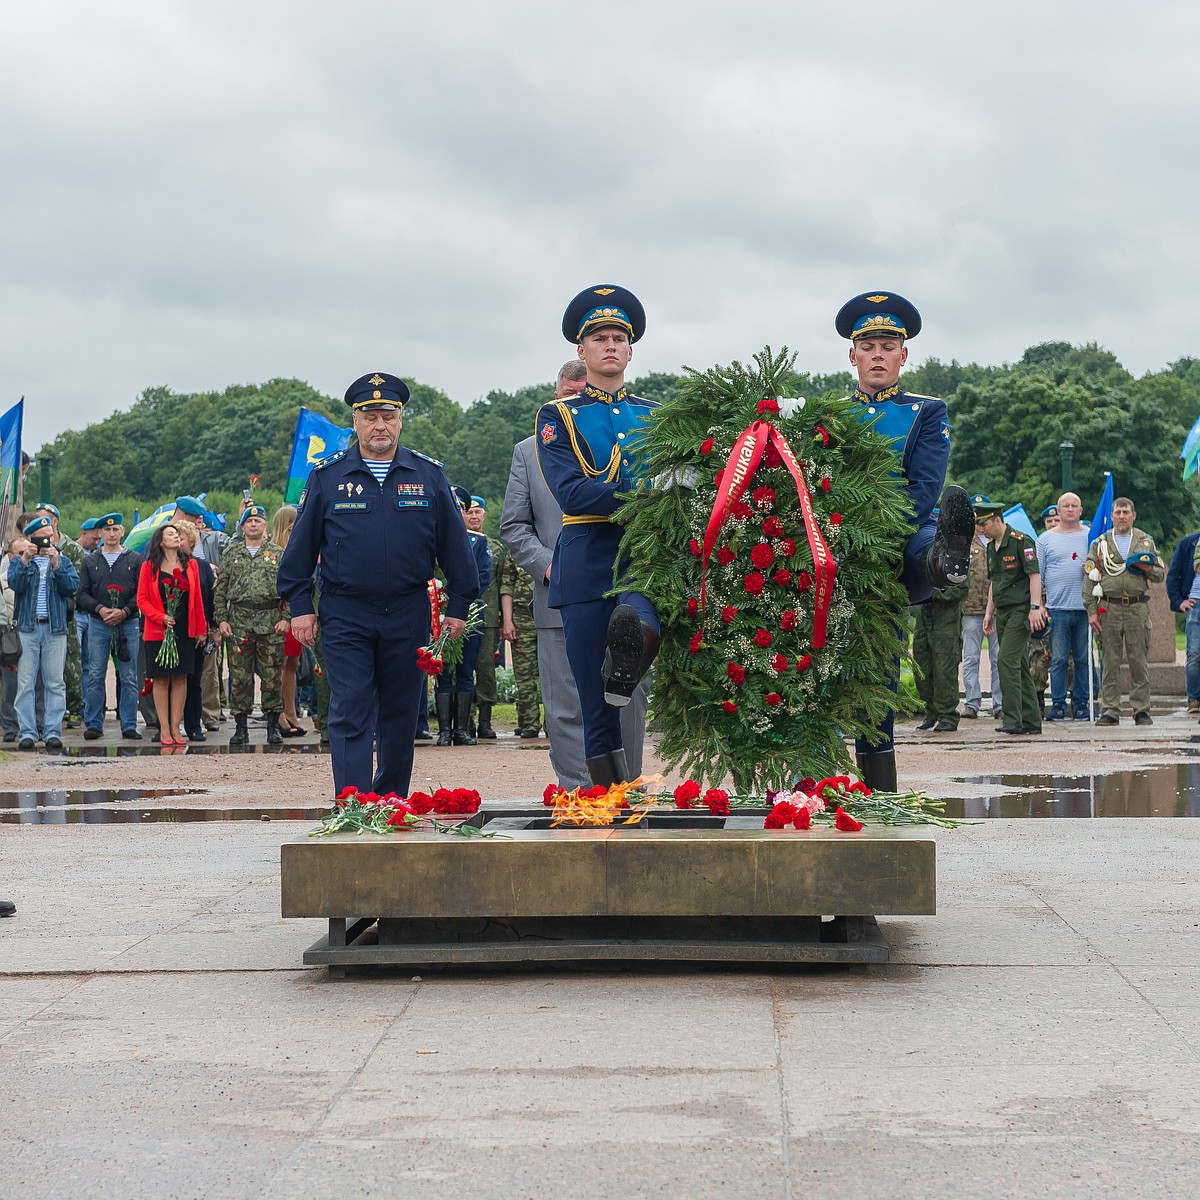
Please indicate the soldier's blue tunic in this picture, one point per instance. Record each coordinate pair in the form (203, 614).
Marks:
(462, 677)
(919, 429)
(377, 545)
(588, 451)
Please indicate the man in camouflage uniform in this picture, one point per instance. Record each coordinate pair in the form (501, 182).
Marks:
(485, 664)
(251, 615)
(517, 628)
(937, 652)
(974, 606)
(72, 551)
(1120, 567)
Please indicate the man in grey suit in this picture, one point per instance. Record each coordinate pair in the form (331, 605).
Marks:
(529, 526)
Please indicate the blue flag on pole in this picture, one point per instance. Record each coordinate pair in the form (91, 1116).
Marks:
(1018, 518)
(1191, 450)
(1101, 523)
(315, 438)
(10, 451)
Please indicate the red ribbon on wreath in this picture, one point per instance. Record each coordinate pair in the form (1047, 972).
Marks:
(743, 461)
(435, 612)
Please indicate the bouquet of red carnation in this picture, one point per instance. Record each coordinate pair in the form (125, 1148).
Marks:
(115, 592)
(442, 651)
(174, 591)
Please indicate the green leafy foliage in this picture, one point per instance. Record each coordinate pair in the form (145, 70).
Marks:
(823, 693)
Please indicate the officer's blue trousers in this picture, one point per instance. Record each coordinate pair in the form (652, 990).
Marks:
(585, 631)
(370, 660)
(462, 677)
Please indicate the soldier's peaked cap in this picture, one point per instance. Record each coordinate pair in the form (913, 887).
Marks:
(602, 305)
(377, 391)
(878, 313)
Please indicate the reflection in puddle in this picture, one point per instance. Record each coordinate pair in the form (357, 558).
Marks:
(115, 806)
(155, 750)
(1169, 791)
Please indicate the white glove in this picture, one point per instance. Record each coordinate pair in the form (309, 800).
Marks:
(790, 406)
(676, 477)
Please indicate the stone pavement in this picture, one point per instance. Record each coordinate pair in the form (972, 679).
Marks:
(1039, 1037)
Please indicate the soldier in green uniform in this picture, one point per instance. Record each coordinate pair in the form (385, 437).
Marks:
(1116, 590)
(937, 652)
(517, 628)
(253, 619)
(73, 552)
(485, 664)
(1014, 608)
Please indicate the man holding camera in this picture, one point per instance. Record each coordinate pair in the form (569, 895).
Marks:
(42, 582)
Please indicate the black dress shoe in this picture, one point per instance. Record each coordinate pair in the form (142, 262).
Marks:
(7, 908)
(928, 723)
(1011, 729)
(632, 645)
(945, 727)
(131, 735)
(10, 737)
(949, 558)
(27, 744)
(197, 735)
(90, 735)
(212, 726)
(1031, 729)
(53, 744)
(422, 735)
(529, 733)
(1143, 718)
(1107, 719)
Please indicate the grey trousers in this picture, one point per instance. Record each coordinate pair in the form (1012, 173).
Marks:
(972, 628)
(564, 721)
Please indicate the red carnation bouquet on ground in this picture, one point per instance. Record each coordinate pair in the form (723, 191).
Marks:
(368, 812)
(173, 593)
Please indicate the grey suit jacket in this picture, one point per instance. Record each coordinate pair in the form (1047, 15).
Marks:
(529, 526)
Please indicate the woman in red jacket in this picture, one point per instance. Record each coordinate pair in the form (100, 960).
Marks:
(168, 566)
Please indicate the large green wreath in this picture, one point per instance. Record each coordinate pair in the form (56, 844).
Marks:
(739, 688)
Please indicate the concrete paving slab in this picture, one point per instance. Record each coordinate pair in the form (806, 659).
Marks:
(1166, 986)
(1030, 935)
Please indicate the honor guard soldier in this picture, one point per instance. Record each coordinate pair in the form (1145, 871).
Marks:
(937, 553)
(587, 448)
(1120, 567)
(379, 517)
(1014, 610)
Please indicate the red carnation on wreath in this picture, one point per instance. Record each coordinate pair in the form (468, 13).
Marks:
(772, 527)
(706, 447)
(804, 582)
(693, 606)
(825, 483)
(741, 511)
(768, 406)
(823, 435)
(771, 457)
(762, 637)
(728, 613)
(787, 547)
(764, 497)
(783, 577)
(753, 584)
(773, 699)
(725, 555)
(729, 706)
(696, 642)
(762, 556)
(780, 663)
(835, 518)
(788, 621)
(736, 673)
(694, 547)
(804, 662)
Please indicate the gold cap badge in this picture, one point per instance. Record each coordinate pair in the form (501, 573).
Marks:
(877, 299)
(605, 291)
(375, 381)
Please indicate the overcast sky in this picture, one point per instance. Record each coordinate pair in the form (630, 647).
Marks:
(199, 193)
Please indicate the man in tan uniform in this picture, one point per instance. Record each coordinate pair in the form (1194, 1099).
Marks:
(1116, 590)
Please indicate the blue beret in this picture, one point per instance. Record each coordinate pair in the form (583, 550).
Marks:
(190, 505)
(879, 313)
(604, 304)
(46, 506)
(214, 520)
(477, 502)
(109, 520)
(90, 523)
(377, 391)
(255, 510)
(462, 496)
(37, 524)
(1143, 556)
(1051, 510)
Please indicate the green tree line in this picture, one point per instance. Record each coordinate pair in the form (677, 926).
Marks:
(1007, 425)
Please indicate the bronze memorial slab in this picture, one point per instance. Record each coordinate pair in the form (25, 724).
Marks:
(728, 890)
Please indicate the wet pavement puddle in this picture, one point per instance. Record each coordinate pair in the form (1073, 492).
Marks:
(1164, 791)
(108, 806)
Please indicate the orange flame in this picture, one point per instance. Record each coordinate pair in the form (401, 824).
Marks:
(575, 808)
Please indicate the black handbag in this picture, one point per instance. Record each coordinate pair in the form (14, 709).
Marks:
(10, 646)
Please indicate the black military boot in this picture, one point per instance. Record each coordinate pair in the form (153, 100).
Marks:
(878, 770)
(949, 558)
(442, 701)
(632, 645)
(274, 736)
(240, 735)
(485, 722)
(462, 711)
(610, 768)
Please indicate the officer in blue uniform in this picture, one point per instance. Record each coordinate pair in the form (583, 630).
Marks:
(588, 450)
(937, 553)
(379, 517)
(456, 685)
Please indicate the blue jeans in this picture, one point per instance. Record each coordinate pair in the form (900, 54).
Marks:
(1069, 641)
(43, 654)
(1191, 631)
(100, 640)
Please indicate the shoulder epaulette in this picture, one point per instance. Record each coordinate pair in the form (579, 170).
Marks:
(1016, 534)
(326, 462)
(428, 459)
(919, 396)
